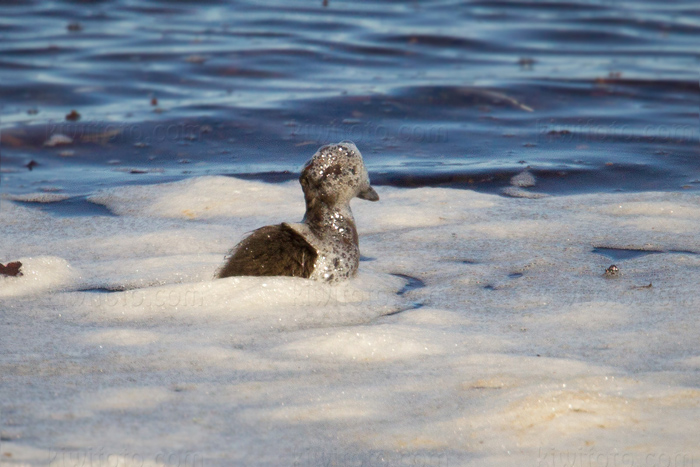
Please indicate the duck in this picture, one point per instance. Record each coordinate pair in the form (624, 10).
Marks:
(324, 246)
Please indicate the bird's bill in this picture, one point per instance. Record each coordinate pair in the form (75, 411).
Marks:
(369, 194)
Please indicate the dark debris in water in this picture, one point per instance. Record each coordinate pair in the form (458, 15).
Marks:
(612, 271)
(73, 116)
(12, 269)
(526, 62)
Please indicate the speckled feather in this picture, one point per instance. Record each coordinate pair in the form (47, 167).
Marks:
(274, 250)
(324, 246)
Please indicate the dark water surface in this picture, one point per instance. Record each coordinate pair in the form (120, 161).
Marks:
(592, 95)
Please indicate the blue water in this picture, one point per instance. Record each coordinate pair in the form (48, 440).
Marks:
(591, 95)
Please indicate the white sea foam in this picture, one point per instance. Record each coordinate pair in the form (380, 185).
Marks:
(57, 140)
(524, 179)
(39, 275)
(38, 197)
(117, 342)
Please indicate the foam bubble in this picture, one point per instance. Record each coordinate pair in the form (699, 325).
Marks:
(39, 275)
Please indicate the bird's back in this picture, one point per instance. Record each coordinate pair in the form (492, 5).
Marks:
(274, 250)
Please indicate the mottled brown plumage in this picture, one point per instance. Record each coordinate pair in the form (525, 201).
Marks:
(324, 245)
(274, 250)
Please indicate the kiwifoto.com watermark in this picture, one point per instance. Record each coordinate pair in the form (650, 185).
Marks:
(591, 457)
(590, 131)
(314, 294)
(103, 457)
(364, 132)
(116, 132)
(134, 298)
(373, 457)
(640, 293)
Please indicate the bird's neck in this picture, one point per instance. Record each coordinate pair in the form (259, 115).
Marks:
(331, 221)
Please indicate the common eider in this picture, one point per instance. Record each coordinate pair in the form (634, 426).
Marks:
(324, 245)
